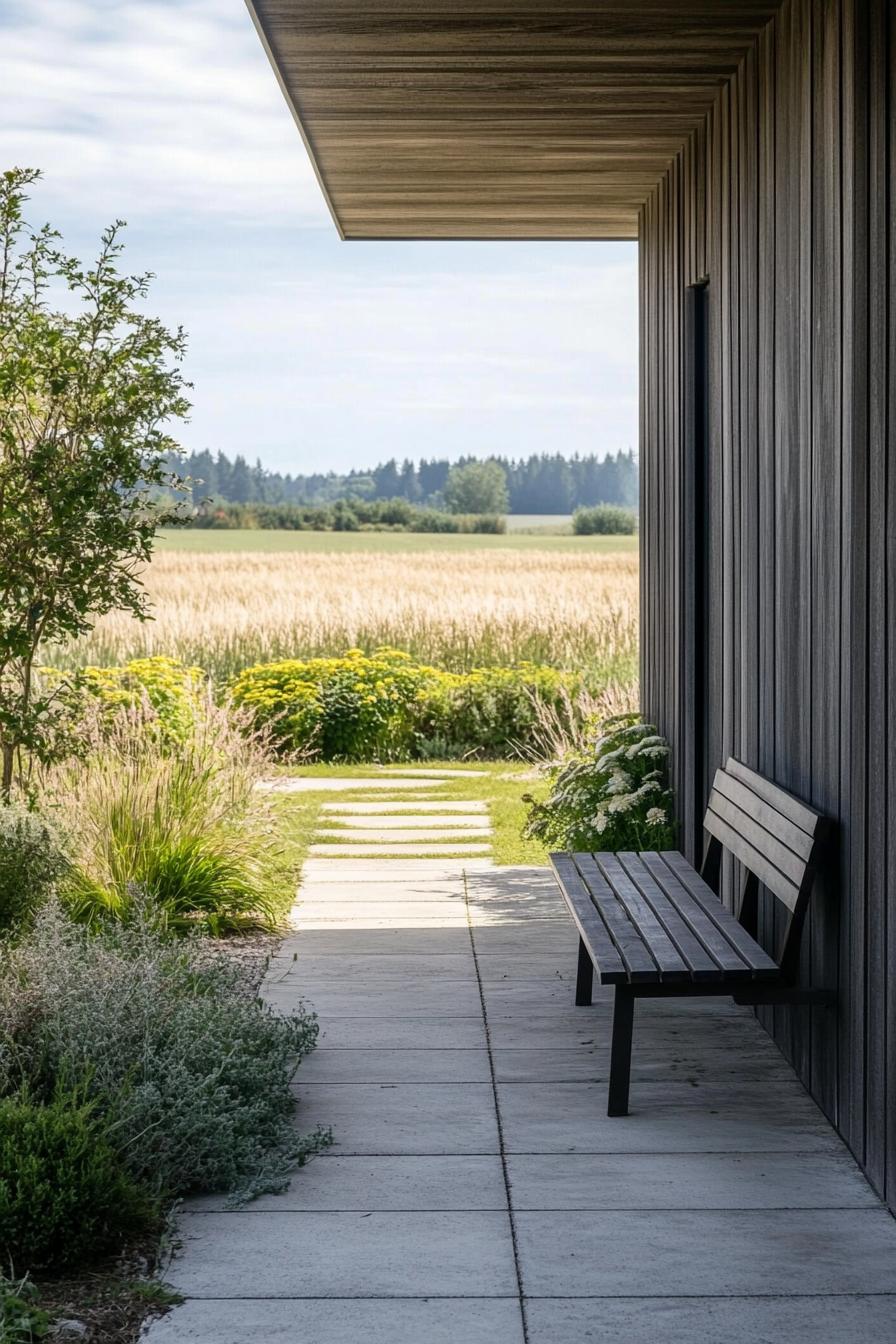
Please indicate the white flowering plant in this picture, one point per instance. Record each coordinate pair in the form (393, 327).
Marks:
(614, 796)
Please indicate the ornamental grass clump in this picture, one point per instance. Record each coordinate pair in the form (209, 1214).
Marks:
(615, 796)
(184, 829)
(188, 1076)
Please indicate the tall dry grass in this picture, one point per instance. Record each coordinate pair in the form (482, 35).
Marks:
(475, 608)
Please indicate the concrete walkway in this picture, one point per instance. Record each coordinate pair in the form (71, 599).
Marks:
(478, 1193)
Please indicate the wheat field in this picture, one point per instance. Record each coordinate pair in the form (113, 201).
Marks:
(224, 611)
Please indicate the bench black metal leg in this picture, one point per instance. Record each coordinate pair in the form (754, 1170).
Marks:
(621, 1051)
(584, 976)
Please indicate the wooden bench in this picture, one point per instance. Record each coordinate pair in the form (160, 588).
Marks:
(653, 926)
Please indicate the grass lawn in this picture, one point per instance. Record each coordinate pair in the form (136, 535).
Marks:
(212, 541)
(500, 784)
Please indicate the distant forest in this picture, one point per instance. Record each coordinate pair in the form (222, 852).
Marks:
(538, 484)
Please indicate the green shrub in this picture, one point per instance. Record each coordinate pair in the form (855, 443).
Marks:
(185, 829)
(614, 797)
(605, 520)
(356, 708)
(188, 1072)
(32, 863)
(21, 1320)
(493, 709)
(63, 1195)
(384, 706)
(170, 689)
(345, 515)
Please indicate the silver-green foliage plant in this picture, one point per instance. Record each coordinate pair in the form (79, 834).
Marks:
(614, 796)
(88, 385)
(190, 1075)
(33, 861)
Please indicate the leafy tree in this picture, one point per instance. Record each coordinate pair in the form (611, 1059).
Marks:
(477, 487)
(87, 386)
(240, 481)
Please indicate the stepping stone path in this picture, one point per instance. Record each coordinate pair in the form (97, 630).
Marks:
(476, 1192)
(403, 827)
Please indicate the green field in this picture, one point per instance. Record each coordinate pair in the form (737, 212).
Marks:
(210, 541)
(543, 523)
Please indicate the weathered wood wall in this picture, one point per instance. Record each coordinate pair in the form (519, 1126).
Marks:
(785, 199)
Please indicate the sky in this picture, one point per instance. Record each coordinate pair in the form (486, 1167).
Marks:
(304, 351)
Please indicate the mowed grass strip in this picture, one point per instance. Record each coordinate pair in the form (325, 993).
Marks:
(499, 785)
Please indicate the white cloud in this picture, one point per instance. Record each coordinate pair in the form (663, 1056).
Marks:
(151, 108)
(304, 350)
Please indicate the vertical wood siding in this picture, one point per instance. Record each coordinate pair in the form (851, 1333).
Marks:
(786, 200)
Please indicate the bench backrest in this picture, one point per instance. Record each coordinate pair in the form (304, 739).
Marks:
(778, 840)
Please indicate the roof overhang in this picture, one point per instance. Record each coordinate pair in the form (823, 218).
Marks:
(499, 118)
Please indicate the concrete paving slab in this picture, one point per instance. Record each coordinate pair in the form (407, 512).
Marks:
(388, 837)
(327, 1065)
(403, 1118)
(720, 1131)
(351, 942)
(707, 1320)
(403, 916)
(403, 1033)
(590, 1063)
(414, 998)
(537, 965)
(519, 880)
(415, 889)
(346, 1255)
(389, 783)
(525, 998)
(450, 773)
(406, 1184)
(415, 803)
(384, 870)
(701, 1252)
(571, 1117)
(687, 1181)
(334, 849)
(559, 1029)
(388, 966)
(411, 821)
(502, 912)
(362, 902)
(337, 1321)
(557, 936)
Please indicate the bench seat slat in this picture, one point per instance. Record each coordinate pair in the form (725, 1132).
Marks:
(701, 965)
(731, 963)
(640, 964)
(668, 958)
(610, 967)
(761, 964)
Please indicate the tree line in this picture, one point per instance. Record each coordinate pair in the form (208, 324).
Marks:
(541, 483)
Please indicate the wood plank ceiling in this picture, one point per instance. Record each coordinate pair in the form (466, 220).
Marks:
(499, 118)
